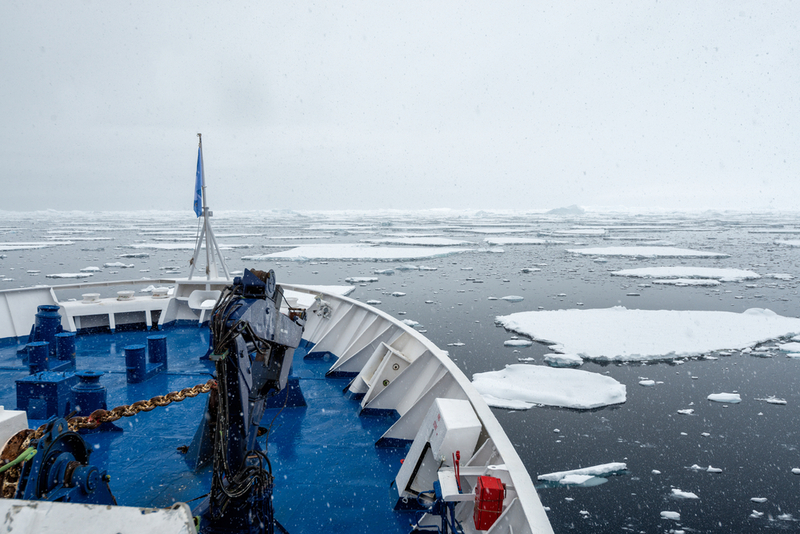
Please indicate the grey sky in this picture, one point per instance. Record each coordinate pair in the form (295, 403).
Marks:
(400, 105)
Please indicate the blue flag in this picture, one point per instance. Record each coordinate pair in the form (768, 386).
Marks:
(198, 183)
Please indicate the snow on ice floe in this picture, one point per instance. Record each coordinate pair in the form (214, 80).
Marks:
(418, 241)
(619, 334)
(501, 241)
(680, 272)
(647, 252)
(773, 400)
(356, 252)
(728, 398)
(521, 386)
(580, 476)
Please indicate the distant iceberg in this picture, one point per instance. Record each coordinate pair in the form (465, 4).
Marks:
(568, 210)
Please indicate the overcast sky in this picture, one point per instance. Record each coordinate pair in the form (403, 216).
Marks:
(366, 105)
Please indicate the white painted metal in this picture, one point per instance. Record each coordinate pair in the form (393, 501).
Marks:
(11, 422)
(524, 513)
(34, 517)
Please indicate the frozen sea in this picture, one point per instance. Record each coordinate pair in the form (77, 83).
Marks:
(692, 464)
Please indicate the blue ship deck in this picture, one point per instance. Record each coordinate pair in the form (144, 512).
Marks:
(329, 475)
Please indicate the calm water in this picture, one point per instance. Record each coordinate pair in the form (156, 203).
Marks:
(754, 443)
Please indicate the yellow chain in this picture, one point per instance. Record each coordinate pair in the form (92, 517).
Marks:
(10, 478)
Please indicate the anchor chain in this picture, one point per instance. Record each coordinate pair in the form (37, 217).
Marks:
(20, 441)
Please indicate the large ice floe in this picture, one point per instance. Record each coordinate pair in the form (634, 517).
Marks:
(350, 251)
(567, 388)
(418, 241)
(500, 241)
(620, 334)
(647, 252)
(681, 272)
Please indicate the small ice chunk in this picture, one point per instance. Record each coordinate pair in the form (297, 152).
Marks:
(655, 472)
(796, 470)
(678, 494)
(373, 302)
(563, 360)
(398, 294)
(512, 298)
(728, 398)
(600, 470)
(456, 344)
(517, 343)
(756, 514)
(675, 516)
(758, 499)
(713, 470)
(647, 383)
(773, 400)
(686, 411)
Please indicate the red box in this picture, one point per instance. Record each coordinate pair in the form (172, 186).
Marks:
(489, 495)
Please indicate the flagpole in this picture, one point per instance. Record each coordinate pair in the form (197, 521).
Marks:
(206, 234)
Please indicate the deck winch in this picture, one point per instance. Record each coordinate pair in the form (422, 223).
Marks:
(252, 344)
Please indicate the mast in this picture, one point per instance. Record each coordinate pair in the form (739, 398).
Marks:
(206, 235)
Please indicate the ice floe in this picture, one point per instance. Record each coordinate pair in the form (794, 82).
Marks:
(563, 360)
(501, 241)
(680, 272)
(357, 252)
(647, 252)
(418, 241)
(728, 398)
(619, 334)
(512, 298)
(360, 279)
(678, 494)
(69, 275)
(118, 265)
(580, 476)
(675, 516)
(683, 282)
(9, 247)
(521, 386)
(517, 343)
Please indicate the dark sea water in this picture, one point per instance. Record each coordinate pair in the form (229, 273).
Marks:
(754, 443)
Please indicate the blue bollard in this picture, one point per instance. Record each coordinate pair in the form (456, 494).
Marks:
(157, 349)
(88, 395)
(138, 370)
(47, 325)
(65, 352)
(38, 356)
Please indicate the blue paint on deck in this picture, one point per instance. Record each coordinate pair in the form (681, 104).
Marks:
(329, 475)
